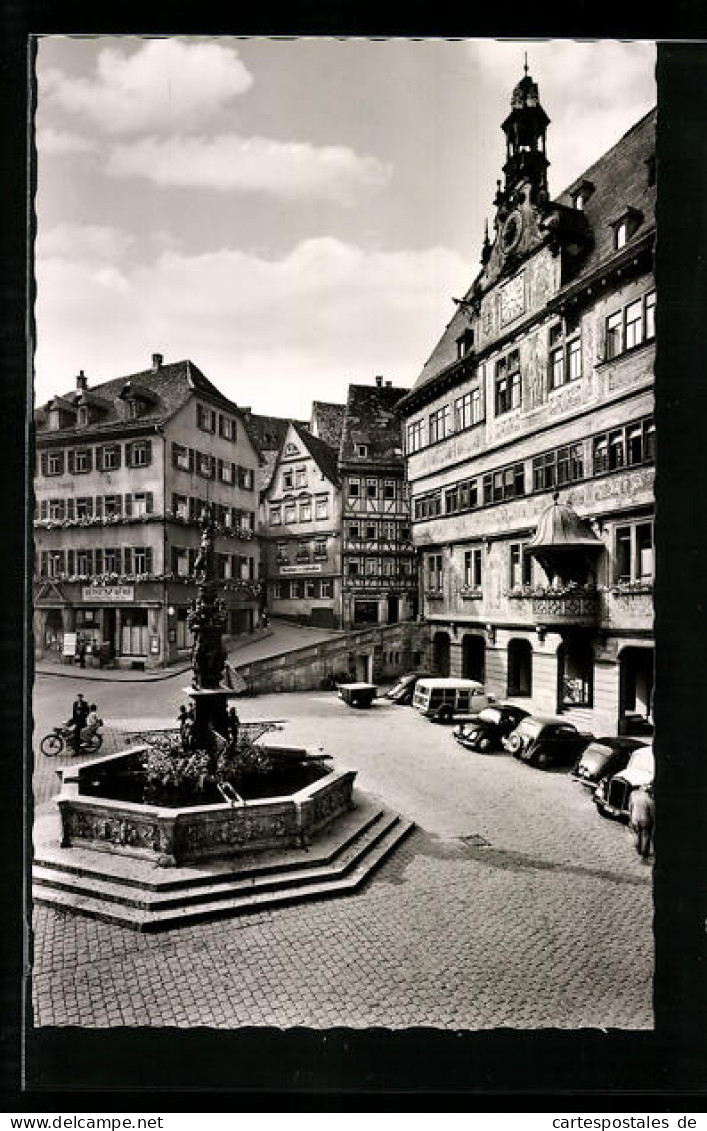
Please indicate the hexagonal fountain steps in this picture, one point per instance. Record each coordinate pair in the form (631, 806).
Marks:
(138, 894)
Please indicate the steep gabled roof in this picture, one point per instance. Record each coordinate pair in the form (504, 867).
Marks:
(371, 419)
(327, 422)
(323, 454)
(170, 386)
(619, 181)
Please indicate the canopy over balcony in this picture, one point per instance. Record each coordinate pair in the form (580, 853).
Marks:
(564, 543)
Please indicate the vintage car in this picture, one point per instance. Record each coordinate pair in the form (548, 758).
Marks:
(612, 795)
(358, 694)
(402, 691)
(492, 725)
(604, 757)
(542, 740)
(445, 700)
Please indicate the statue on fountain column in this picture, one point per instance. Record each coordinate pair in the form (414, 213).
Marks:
(207, 616)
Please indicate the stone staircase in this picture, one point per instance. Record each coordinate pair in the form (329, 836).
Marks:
(136, 893)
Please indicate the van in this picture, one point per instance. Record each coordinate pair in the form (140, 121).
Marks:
(447, 700)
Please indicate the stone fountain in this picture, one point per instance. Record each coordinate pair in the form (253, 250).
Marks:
(297, 832)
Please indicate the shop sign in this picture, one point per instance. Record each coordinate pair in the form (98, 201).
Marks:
(108, 592)
(302, 568)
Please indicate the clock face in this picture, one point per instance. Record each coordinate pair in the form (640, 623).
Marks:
(512, 299)
(512, 231)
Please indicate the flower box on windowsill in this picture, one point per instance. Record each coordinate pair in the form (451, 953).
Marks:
(470, 593)
(434, 594)
(629, 588)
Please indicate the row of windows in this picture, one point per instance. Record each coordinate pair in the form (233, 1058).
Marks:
(107, 457)
(208, 420)
(137, 559)
(631, 445)
(373, 488)
(133, 505)
(212, 467)
(111, 559)
(294, 477)
(625, 329)
(379, 567)
(228, 566)
(290, 513)
(190, 509)
(303, 590)
(305, 551)
(371, 531)
(633, 560)
(630, 326)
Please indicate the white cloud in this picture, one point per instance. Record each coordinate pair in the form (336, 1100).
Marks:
(84, 241)
(271, 333)
(62, 142)
(166, 84)
(287, 170)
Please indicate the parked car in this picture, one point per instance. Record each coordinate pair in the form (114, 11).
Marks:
(358, 694)
(444, 700)
(612, 794)
(486, 732)
(604, 757)
(402, 691)
(543, 740)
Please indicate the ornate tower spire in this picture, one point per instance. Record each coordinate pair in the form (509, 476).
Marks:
(525, 129)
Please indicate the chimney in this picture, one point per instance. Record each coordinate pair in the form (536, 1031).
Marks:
(379, 382)
(157, 359)
(81, 381)
(389, 384)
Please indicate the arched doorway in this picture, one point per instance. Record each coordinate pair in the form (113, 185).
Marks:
(575, 674)
(473, 657)
(520, 667)
(53, 631)
(636, 691)
(440, 653)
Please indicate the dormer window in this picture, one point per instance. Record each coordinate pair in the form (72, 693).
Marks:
(362, 451)
(465, 342)
(82, 418)
(625, 226)
(580, 195)
(134, 406)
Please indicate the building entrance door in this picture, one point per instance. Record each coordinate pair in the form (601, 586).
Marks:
(440, 654)
(473, 657)
(393, 608)
(636, 691)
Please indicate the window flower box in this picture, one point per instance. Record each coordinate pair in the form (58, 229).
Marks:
(470, 593)
(434, 594)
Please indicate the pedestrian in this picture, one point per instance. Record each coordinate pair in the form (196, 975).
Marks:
(82, 653)
(641, 816)
(92, 721)
(233, 723)
(79, 713)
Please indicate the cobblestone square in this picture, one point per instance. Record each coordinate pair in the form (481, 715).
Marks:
(512, 904)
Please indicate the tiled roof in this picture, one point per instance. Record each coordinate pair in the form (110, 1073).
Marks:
(327, 422)
(371, 419)
(323, 455)
(620, 181)
(269, 431)
(170, 386)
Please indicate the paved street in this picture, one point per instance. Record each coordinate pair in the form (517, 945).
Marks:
(513, 904)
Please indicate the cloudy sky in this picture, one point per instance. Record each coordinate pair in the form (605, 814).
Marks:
(291, 215)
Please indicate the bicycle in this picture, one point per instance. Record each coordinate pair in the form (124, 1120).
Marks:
(55, 743)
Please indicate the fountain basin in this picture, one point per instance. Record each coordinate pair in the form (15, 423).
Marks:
(197, 832)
